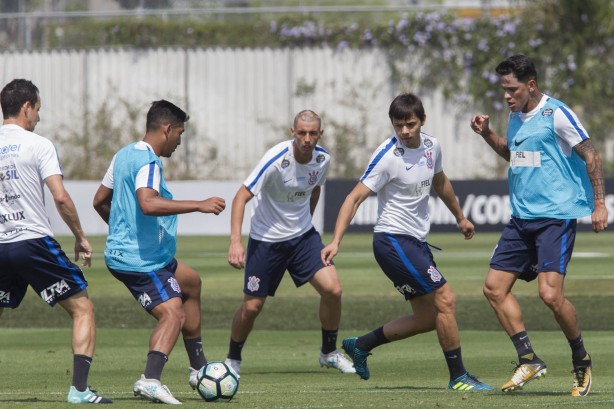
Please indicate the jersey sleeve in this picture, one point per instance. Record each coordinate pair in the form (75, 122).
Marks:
(48, 161)
(258, 176)
(438, 158)
(567, 126)
(376, 175)
(107, 180)
(149, 177)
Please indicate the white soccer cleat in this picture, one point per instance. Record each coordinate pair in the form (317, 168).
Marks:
(153, 390)
(235, 364)
(192, 380)
(337, 360)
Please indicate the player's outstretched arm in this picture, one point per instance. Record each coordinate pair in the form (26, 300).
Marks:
(445, 191)
(68, 212)
(481, 125)
(587, 152)
(346, 214)
(153, 204)
(236, 252)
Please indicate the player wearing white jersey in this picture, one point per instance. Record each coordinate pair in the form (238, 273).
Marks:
(286, 186)
(402, 171)
(555, 176)
(140, 252)
(29, 255)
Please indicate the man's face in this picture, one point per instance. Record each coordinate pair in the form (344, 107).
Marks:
(306, 135)
(31, 114)
(516, 93)
(173, 140)
(408, 130)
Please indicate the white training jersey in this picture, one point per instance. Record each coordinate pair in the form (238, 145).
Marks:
(26, 160)
(147, 177)
(282, 191)
(402, 178)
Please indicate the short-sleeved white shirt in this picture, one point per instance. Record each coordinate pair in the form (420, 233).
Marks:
(145, 178)
(26, 160)
(282, 190)
(402, 178)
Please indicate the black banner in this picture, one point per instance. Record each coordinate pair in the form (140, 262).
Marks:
(484, 202)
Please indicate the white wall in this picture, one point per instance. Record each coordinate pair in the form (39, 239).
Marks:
(241, 101)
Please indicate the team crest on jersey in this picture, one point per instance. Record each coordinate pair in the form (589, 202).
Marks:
(174, 284)
(285, 163)
(435, 274)
(253, 283)
(429, 159)
(144, 300)
(547, 112)
(398, 151)
(313, 177)
(428, 143)
(320, 158)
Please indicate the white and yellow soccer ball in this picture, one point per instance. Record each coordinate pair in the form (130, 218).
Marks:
(217, 381)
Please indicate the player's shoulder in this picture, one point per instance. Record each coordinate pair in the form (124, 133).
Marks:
(429, 141)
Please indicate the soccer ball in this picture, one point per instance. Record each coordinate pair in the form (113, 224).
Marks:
(217, 381)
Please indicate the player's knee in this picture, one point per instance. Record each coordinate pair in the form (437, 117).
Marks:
(251, 309)
(552, 299)
(492, 294)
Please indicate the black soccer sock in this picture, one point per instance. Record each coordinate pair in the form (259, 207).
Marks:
(155, 364)
(196, 355)
(234, 349)
(454, 360)
(579, 356)
(371, 340)
(81, 370)
(329, 341)
(523, 347)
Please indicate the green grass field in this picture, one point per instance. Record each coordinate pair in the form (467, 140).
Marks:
(280, 368)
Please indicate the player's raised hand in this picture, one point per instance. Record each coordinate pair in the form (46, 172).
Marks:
(83, 249)
(213, 205)
(236, 255)
(480, 124)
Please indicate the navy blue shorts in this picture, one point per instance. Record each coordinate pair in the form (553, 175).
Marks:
(266, 262)
(153, 288)
(43, 265)
(529, 247)
(408, 263)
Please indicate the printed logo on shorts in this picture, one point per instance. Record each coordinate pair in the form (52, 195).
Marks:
(435, 274)
(5, 298)
(405, 289)
(144, 300)
(253, 283)
(51, 293)
(174, 284)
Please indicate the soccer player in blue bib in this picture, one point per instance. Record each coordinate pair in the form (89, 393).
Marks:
(285, 187)
(29, 255)
(140, 252)
(402, 171)
(555, 176)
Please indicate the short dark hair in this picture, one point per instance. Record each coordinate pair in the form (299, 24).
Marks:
(520, 65)
(307, 115)
(15, 94)
(163, 112)
(406, 105)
